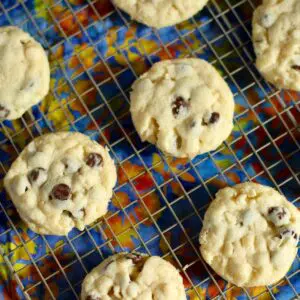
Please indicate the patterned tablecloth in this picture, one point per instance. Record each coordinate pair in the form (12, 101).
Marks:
(96, 53)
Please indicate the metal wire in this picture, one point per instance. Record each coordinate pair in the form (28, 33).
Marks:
(30, 127)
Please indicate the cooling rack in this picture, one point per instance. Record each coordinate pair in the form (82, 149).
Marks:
(96, 52)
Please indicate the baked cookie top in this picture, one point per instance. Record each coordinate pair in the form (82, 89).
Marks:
(24, 72)
(133, 276)
(60, 181)
(276, 39)
(183, 106)
(160, 13)
(250, 234)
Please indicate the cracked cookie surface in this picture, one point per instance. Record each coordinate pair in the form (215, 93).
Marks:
(250, 234)
(133, 276)
(24, 72)
(160, 13)
(276, 39)
(183, 106)
(60, 181)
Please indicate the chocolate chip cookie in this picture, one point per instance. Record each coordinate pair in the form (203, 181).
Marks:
(160, 13)
(276, 38)
(250, 235)
(24, 72)
(183, 106)
(132, 276)
(60, 181)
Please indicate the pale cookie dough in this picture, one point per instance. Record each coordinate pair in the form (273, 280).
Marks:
(182, 106)
(276, 38)
(60, 181)
(160, 13)
(24, 72)
(250, 234)
(133, 276)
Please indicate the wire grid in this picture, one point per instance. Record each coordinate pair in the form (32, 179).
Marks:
(263, 147)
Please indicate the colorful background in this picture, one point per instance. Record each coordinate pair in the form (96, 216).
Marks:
(96, 52)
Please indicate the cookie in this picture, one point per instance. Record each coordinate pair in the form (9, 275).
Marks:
(276, 38)
(60, 181)
(160, 13)
(183, 106)
(250, 234)
(24, 72)
(133, 276)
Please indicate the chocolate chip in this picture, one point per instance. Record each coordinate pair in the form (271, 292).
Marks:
(94, 160)
(288, 233)
(76, 214)
(271, 209)
(111, 292)
(61, 192)
(178, 142)
(280, 212)
(295, 67)
(135, 257)
(34, 174)
(214, 118)
(179, 105)
(68, 213)
(92, 298)
(193, 124)
(4, 112)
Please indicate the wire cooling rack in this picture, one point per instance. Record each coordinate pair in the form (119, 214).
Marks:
(96, 52)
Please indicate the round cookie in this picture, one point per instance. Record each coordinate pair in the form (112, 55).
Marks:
(60, 181)
(131, 276)
(183, 106)
(276, 38)
(24, 72)
(250, 234)
(160, 13)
